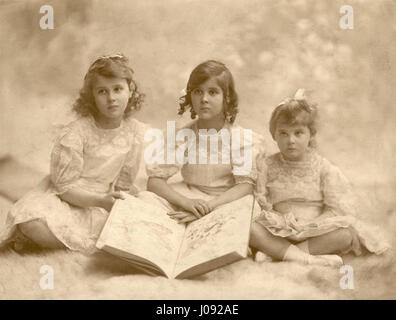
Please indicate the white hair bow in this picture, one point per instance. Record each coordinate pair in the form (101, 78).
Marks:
(183, 92)
(300, 94)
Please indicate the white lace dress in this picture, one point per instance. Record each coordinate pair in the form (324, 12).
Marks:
(90, 158)
(309, 198)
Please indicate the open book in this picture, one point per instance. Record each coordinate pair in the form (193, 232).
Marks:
(144, 235)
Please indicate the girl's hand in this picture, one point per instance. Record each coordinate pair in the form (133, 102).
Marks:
(182, 217)
(212, 204)
(133, 191)
(198, 207)
(262, 201)
(109, 199)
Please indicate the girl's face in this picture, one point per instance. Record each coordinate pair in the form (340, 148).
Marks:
(111, 97)
(207, 100)
(293, 140)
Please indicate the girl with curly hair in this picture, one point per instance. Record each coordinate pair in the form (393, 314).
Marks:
(94, 158)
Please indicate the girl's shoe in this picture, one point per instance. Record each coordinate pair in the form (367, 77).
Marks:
(20, 243)
(295, 254)
(331, 260)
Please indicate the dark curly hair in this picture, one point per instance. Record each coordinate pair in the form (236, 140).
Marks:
(107, 66)
(296, 111)
(202, 73)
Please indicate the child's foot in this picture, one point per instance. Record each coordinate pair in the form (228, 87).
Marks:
(331, 260)
(262, 257)
(20, 243)
(293, 253)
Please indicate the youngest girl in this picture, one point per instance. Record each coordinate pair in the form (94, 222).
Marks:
(307, 204)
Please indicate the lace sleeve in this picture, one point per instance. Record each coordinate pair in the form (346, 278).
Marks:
(339, 198)
(66, 159)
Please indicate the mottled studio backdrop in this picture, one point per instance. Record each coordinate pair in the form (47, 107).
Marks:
(271, 47)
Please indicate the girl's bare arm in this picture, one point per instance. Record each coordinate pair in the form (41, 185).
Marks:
(160, 187)
(236, 192)
(82, 198)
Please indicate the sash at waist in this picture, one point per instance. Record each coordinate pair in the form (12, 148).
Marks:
(302, 209)
(213, 191)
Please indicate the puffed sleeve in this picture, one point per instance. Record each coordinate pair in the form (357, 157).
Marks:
(339, 199)
(67, 159)
(155, 155)
(244, 156)
(134, 159)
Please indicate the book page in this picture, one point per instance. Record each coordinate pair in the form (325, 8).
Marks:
(144, 230)
(223, 231)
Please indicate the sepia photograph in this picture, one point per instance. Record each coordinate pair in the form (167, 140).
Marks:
(197, 150)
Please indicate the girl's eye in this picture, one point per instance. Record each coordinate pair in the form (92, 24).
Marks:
(301, 132)
(212, 92)
(101, 91)
(117, 89)
(197, 91)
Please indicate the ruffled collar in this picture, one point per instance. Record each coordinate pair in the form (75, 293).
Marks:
(311, 158)
(226, 125)
(92, 121)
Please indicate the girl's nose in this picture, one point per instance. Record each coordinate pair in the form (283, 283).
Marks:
(204, 97)
(110, 96)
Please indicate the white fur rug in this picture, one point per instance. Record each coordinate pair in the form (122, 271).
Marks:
(100, 276)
